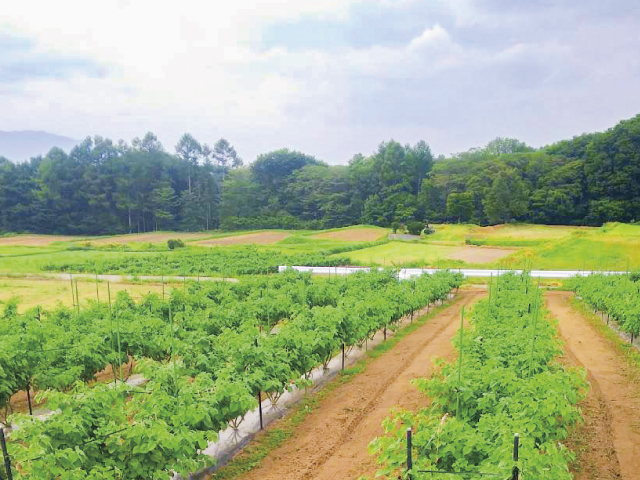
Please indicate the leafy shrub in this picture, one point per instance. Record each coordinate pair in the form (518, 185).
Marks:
(415, 227)
(172, 244)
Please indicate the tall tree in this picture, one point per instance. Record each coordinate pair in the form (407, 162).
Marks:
(189, 150)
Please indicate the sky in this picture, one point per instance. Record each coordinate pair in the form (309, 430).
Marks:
(331, 78)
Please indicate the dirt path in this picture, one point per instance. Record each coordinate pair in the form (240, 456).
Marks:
(331, 443)
(612, 410)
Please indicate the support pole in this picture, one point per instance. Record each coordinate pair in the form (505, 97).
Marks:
(343, 356)
(173, 356)
(119, 350)
(29, 399)
(113, 367)
(5, 454)
(260, 408)
(515, 473)
(409, 457)
(77, 300)
(73, 295)
(533, 334)
(460, 363)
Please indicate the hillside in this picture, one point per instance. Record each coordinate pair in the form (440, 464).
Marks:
(22, 145)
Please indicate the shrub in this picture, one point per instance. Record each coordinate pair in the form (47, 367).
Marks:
(395, 226)
(414, 227)
(175, 244)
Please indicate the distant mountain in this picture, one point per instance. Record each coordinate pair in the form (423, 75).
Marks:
(19, 146)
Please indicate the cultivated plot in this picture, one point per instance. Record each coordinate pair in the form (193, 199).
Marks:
(361, 234)
(260, 238)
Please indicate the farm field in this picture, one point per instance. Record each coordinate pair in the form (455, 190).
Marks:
(357, 234)
(352, 416)
(206, 351)
(610, 434)
(151, 237)
(426, 254)
(260, 238)
(209, 322)
(388, 395)
(35, 240)
(613, 246)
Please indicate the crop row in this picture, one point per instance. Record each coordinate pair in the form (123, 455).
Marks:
(240, 260)
(509, 382)
(207, 352)
(616, 295)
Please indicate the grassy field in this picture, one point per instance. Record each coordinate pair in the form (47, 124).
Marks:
(401, 253)
(15, 264)
(48, 293)
(508, 235)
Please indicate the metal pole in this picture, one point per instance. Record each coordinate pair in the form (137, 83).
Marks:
(343, 356)
(173, 357)
(515, 473)
(77, 299)
(113, 367)
(533, 334)
(409, 458)
(490, 290)
(460, 362)
(5, 454)
(29, 399)
(260, 408)
(73, 295)
(119, 350)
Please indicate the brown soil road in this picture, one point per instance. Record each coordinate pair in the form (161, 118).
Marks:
(331, 443)
(612, 410)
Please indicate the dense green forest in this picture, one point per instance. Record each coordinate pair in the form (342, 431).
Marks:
(104, 187)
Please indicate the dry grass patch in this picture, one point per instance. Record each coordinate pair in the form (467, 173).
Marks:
(34, 240)
(364, 234)
(470, 254)
(48, 293)
(261, 238)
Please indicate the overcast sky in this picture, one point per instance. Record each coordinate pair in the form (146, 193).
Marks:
(329, 77)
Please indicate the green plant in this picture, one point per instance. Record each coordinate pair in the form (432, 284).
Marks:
(207, 351)
(415, 227)
(173, 244)
(498, 389)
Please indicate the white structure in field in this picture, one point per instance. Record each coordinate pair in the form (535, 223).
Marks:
(406, 273)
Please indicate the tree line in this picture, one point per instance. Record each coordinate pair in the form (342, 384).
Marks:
(102, 187)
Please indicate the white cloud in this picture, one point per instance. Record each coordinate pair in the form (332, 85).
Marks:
(200, 66)
(429, 37)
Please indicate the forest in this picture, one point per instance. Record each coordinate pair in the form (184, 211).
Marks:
(106, 187)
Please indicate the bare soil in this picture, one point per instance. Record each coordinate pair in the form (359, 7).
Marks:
(331, 443)
(34, 240)
(261, 238)
(609, 442)
(352, 235)
(471, 254)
